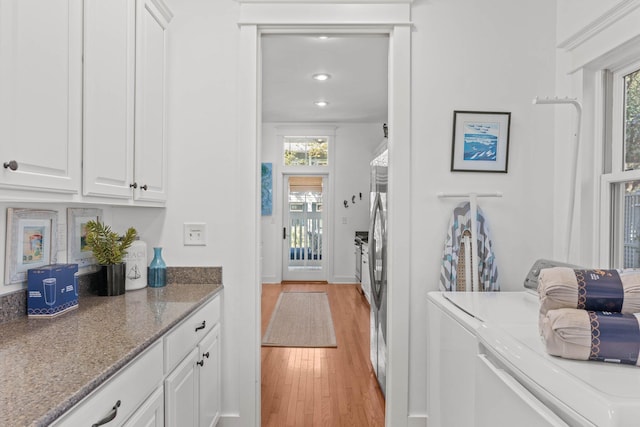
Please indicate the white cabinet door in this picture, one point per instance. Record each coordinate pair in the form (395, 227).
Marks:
(181, 393)
(365, 281)
(125, 153)
(150, 129)
(109, 70)
(209, 378)
(151, 413)
(451, 361)
(41, 94)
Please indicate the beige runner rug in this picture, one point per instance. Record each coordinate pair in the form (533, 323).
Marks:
(301, 319)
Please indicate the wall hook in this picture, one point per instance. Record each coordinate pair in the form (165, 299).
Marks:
(353, 199)
(346, 204)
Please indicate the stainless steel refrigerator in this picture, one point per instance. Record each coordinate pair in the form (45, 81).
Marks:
(378, 267)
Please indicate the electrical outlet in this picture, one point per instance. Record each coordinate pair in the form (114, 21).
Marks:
(195, 234)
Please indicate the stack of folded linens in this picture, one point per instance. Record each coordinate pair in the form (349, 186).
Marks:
(597, 290)
(589, 314)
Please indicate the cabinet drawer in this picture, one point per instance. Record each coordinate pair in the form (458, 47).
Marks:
(185, 336)
(130, 387)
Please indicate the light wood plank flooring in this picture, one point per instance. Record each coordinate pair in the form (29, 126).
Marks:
(305, 387)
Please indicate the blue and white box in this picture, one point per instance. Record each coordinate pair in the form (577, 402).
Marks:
(52, 290)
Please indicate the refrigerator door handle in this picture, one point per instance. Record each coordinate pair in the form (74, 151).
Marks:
(377, 251)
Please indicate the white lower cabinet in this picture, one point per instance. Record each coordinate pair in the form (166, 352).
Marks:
(151, 413)
(122, 396)
(192, 389)
(174, 383)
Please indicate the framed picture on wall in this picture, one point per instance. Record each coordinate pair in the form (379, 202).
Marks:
(31, 242)
(79, 253)
(480, 141)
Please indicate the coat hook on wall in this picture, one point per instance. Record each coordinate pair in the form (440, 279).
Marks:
(360, 196)
(353, 199)
(346, 204)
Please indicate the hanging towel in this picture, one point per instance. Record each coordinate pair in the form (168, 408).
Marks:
(487, 267)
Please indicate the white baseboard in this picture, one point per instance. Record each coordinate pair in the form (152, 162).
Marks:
(270, 279)
(230, 421)
(343, 279)
(417, 421)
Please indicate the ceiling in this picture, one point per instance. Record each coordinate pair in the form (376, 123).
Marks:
(356, 91)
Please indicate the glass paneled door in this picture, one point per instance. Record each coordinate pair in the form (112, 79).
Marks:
(303, 229)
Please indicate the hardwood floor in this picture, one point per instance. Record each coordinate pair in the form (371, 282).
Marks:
(304, 387)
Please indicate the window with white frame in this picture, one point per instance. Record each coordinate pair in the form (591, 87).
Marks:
(622, 182)
(306, 151)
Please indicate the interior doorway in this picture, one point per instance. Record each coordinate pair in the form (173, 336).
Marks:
(303, 235)
(392, 19)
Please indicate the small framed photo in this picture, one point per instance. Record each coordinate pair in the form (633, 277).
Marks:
(480, 141)
(31, 242)
(79, 253)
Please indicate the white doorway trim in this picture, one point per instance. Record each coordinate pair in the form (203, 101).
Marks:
(392, 18)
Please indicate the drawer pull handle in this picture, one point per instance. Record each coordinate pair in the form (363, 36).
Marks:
(13, 165)
(200, 362)
(202, 325)
(134, 185)
(205, 354)
(110, 416)
(144, 187)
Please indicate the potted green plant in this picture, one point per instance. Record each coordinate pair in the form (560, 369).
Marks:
(109, 248)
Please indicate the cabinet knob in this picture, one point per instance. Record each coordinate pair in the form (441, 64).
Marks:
(201, 326)
(200, 362)
(110, 416)
(12, 164)
(205, 354)
(144, 187)
(134, 185)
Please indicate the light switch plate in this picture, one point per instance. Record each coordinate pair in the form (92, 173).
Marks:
(195, 234)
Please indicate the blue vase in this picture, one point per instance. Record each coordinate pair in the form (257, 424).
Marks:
(157, 270)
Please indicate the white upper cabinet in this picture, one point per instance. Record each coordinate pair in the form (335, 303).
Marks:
(40, 95)
(150, 135)
(125, 150)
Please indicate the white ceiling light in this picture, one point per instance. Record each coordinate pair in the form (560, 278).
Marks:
(321, 103)
(321, 76)
(323, 37)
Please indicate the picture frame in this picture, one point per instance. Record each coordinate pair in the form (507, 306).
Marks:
(480, 141)
(77, 219)
(31, 242)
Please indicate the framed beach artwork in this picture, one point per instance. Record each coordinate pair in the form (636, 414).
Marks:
(480, 141)
(267, 189)
(31, 242)
(79, 253)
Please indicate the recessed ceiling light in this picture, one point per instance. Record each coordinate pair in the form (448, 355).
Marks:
(322, 76)
(321, 103)
(323, 37)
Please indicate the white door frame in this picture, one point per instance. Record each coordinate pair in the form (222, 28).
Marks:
(392, 18)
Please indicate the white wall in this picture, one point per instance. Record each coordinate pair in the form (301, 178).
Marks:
(353, 147)
(494, 55)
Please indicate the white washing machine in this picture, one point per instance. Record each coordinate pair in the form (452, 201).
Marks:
(488, 366)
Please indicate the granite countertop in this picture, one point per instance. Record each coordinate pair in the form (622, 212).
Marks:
(47, 365)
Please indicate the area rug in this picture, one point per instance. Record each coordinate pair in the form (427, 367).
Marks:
(301, 319)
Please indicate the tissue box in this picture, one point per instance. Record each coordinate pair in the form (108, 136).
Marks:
(52, 290)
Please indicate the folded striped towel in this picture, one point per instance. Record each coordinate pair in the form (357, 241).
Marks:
(589, 335)
(595, 290)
